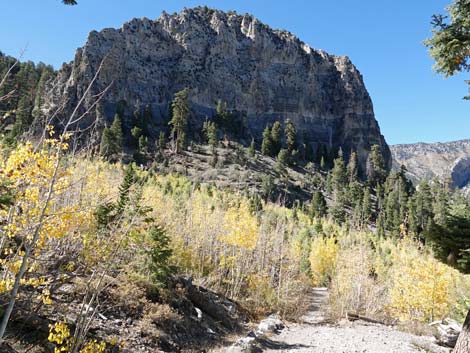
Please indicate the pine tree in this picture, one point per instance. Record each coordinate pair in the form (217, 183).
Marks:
(111, 139)
(318, 208)
(130, 178)
(116, 130)
(222, 114)
(210, 131)
(366, 206)
(376, 171)
(267, 144)
(380, 225)
(322, 163)
(179, 119)
(352, 167)
(136, 133)
(23, 117)
(159, 255)
(161, 141)
(283, 157)
(291, 136)
(252, 148)
(423, 205)
(276, 138)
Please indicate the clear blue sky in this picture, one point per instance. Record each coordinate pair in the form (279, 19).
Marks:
(383, 38)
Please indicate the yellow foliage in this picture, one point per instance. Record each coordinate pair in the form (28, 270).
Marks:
(241, 225)
(422, 288)
(60, 335)
(323, 257)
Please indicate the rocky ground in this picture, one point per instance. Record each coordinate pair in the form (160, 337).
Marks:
(314, 334)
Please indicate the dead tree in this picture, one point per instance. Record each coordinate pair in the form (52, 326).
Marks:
(463, 342)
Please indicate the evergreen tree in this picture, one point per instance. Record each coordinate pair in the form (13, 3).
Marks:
(252, 148)
(222, 114)
(179, 119)
(267, 187)
(130, 178)
(23, 117)
(136, 133)
(450, 45)
(111, 139)
(161, 141)
(376, 171)
(116, 130)
(210, 131)
(366, 206)
(423, 205)
(339, 183)
(380, 225)
(276, 138)
(283, 157)
(291, 136)
(159, 255)
(322, 163)
(352, 167)
(267, 144)
(318, 206)
(411, 217)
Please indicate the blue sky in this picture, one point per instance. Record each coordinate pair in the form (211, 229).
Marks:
(382, 38)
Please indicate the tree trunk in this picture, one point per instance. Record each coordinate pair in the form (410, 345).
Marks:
(463, 342)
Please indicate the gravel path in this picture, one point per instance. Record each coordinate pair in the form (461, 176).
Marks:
(314, 335)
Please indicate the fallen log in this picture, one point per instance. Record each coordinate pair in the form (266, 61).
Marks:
(354, 317)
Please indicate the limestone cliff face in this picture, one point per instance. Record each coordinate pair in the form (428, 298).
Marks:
(442, 160)
(263, 74)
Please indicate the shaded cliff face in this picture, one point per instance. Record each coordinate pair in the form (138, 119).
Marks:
(428, 160)
(263, 74)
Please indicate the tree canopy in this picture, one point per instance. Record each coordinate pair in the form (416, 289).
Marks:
(449, 45)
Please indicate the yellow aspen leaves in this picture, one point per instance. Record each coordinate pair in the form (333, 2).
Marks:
(60, 335)
(422, 287)
(323, 257)
(241, 226)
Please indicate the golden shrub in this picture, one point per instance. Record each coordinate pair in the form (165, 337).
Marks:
(323, 257)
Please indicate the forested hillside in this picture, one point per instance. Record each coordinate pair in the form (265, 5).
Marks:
(125, 230)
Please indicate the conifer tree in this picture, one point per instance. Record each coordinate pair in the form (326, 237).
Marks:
(318, 207)
(283, 157)
(116, 130)
(276, 138)
(267, 144)
(161, 141)
(322, 163)
(23, 117)
(352, 167)
(252, 148)
(376, 171)
(423, 205)
(366, 206)
(210, 131)
(179, 119)
(159, 255)
(291, 136)
(130, 177)
(111, 139)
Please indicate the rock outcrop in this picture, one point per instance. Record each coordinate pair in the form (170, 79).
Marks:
(263, 74)
(442, 160)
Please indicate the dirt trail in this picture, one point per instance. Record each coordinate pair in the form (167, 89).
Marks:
(315, 335)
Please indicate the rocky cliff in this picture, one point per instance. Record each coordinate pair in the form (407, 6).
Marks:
(428, 160)
(263, 74)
